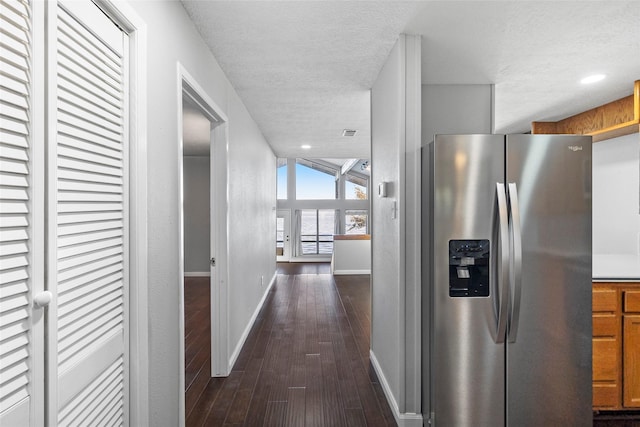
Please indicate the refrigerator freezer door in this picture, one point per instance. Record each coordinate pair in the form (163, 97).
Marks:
(549, 362)
(467, 365)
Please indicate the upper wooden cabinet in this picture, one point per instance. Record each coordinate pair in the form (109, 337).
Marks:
(617, 118)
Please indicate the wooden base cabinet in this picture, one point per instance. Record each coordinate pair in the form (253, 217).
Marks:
(631, 348)
(616, 346)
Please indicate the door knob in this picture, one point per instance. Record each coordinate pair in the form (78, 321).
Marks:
(42, 299)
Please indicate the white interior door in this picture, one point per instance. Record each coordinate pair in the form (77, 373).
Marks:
(88, 218)
(21, 325)
(283, 235)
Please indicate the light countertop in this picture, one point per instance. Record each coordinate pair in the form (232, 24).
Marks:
(616, 267)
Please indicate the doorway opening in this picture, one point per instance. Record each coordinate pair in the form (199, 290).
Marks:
(196, 202)
(202, 257)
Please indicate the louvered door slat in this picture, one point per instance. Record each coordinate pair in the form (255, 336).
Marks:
(15, 206)
(73, 90)
(91, 227)
(75, 130)
(71, 292)
(70, 267)
(12, 289)
(69, 116)
(91, 397)
(66, 230)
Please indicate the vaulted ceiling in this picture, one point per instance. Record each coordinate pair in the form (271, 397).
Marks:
(304, 68)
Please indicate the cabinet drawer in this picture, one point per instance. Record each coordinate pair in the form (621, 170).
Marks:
(605, 300)
(632, 301)
(606, 396)
(605, 325)
(605, 359)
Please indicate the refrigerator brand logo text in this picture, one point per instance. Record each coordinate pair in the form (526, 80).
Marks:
(575, 148)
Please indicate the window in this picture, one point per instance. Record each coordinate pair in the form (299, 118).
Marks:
(281, 179)
(355, 187)
(315, 181)
(356, 222)
(316, 231)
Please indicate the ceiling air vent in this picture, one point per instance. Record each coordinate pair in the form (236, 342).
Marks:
(349, 132)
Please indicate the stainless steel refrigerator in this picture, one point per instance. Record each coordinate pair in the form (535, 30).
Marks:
(507, 281)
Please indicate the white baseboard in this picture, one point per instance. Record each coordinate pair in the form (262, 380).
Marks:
(245, 334)
(403, 419)
(197, 274)
(344, 272)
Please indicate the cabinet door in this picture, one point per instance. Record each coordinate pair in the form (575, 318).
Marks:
(607, 326)
(631, 363)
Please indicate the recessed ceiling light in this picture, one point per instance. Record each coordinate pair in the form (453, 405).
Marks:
(305, 146)
(592, 79)
(349, 132)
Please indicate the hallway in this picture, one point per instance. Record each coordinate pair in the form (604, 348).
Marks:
(305, 362)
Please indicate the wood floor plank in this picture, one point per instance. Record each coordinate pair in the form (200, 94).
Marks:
(204, 403)
(313, 391)
(222, 403)
(295, 415)
(275, 414)
(242, 399)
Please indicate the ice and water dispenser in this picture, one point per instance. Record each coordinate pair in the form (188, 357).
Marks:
(468, 268)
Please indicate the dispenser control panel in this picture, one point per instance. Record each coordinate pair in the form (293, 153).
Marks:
(468, 268)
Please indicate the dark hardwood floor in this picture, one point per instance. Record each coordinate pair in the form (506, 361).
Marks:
(305, 362)
(197, 345)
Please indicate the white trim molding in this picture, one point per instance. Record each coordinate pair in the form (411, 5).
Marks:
(345, 272)
(403, 419)
(197, 274)
(247, 330)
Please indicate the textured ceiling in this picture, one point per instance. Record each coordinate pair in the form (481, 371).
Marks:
(304, 68)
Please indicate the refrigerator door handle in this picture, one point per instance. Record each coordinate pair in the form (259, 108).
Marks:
(515, 275)
(503, 263)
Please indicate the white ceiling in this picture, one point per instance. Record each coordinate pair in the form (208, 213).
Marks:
(304, 68)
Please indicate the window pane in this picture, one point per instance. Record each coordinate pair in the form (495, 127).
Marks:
(316, 231)
(314, 182)
(326, 222)
(309, 231)
(280, 232)
(281, 179)
(356, 222)
(353, 190)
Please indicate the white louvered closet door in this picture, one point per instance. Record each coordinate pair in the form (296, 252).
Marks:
(21, 335)
(87, 236)
(21, 251)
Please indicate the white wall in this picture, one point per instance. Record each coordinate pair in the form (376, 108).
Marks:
(252, 218)
(196, 214)
(616, 221)
(395, 293)
(172, 39)
(456, 109)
